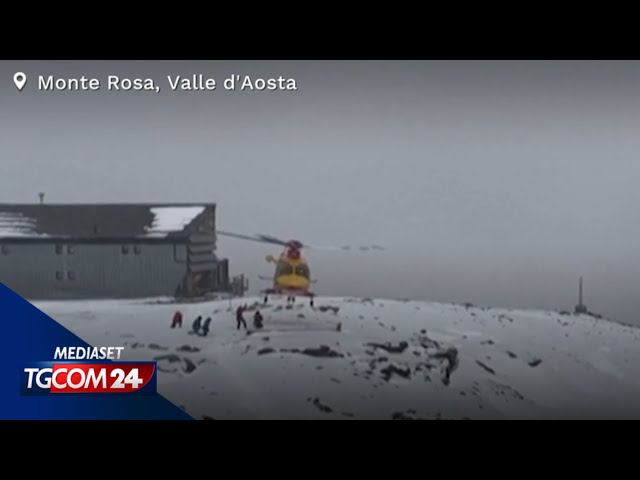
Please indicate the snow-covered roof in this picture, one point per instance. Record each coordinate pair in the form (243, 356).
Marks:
(172, 219)
(15, 224)
(102, 221)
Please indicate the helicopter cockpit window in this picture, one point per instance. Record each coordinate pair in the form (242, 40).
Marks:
(303, 271)
(285, 269)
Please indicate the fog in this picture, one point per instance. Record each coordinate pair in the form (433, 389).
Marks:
(497, 183)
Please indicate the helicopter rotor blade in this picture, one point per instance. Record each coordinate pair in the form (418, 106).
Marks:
(270, 239)
(261, 238)
(347, 248)
(253, 238)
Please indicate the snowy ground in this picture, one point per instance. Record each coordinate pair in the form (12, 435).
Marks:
(390, 359)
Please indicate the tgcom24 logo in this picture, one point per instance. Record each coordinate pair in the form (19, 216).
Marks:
(88, 370)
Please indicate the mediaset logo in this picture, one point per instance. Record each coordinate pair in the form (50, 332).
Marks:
(66, 375)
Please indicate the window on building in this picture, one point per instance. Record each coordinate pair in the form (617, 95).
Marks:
(71, 249)
(137, 249)
(125, 250)
(71, 275)
(59, 250)
(59, 275)
(5, 250)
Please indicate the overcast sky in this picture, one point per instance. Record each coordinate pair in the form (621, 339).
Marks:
(497, 183)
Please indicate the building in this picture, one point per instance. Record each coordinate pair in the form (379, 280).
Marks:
(110, 251)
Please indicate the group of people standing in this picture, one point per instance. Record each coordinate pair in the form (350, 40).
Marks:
(202, 329)
(197, 326)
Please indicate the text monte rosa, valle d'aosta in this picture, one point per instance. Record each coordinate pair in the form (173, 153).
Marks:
(196, 82)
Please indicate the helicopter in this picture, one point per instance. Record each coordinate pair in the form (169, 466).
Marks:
(292, 275)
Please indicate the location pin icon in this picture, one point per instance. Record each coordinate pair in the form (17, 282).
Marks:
(19, 79)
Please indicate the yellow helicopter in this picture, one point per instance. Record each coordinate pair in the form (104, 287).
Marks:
(292, 276)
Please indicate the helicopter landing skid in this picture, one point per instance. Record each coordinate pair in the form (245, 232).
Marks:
(290, 294)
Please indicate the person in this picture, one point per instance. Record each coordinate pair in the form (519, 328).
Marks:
(177, 320)
(205, 327)
(239, 316)
(196, 324)
(257, 319)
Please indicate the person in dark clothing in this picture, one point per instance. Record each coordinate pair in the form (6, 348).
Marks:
(196, 324)
(177, 320)
(257, 319)
(240, 317)
(205, 327)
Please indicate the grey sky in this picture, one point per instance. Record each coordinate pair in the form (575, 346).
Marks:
(492, 182)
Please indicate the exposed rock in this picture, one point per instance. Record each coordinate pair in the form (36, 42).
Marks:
(388, 347)
(189, 366)
(320, 406)
(401, 416)
(535, 362)
(488, 369)
(171, 358)
(373, 363)
(327, 308)
(321, 351)
(451, 355)
(186, 348)
(392, 369)
(264, 351)
(511, 354)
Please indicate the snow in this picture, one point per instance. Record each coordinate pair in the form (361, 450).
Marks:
(458, 361)
(16, 225)
(172, 219)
